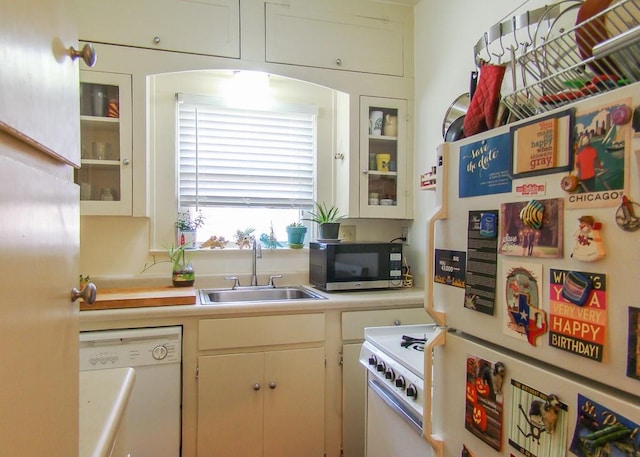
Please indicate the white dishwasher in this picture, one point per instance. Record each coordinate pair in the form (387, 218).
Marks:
(151, 426)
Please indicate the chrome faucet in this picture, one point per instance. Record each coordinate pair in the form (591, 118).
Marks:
(257, 254)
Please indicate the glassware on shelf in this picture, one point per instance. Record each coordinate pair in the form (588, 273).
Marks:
(106, 194)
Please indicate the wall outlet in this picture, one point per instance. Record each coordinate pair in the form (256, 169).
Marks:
(405, 235)
(347, 232)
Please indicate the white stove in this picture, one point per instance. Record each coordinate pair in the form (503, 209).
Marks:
(394, 358)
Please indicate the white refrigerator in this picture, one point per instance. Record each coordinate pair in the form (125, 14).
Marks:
(532, 274)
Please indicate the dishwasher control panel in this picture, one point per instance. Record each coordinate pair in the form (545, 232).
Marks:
(130, 347)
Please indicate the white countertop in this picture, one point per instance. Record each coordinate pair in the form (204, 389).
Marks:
(345, 301)
(103, 400)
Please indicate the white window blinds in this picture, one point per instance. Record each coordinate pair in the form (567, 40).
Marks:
(238, 157)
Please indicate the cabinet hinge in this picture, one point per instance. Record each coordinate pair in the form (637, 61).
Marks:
(197, 372)
(340, 358)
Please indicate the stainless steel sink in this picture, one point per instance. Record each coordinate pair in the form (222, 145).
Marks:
(213, 296)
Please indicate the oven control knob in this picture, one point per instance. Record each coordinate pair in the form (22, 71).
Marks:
(380, 367)
(373, 360)
(390, 374)
(400, 382)
(412, 391)
(159, 352)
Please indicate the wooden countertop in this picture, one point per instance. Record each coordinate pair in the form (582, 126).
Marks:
(140, 297)
(104, 395)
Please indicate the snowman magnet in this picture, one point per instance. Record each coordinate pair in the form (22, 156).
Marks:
(588, 241)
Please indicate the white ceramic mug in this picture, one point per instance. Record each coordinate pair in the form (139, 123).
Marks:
(375, 123)
(390, 125)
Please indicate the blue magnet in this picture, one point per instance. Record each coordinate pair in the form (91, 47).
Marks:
(488, 225)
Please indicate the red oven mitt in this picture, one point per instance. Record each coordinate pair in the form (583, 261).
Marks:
(483, 109)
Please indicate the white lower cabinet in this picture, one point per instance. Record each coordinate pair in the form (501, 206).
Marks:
(354, 377)
(262, 404)
(254, 402)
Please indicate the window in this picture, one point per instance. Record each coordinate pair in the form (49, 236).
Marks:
(235, 161)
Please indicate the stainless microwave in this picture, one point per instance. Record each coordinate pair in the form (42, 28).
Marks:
(335, 266)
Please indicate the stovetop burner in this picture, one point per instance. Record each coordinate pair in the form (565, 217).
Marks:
(409, 342)
(403, 343)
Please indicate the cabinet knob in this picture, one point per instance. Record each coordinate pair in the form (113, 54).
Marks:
(156, 39)
(88, 293)
(338, 61)
(397, 322)
(126, 161)
(87, 54)
(364, 172)
(256, 386)
(272, 385)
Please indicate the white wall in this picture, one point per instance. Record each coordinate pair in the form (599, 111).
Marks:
(445, 34)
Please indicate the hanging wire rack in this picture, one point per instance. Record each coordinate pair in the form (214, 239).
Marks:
(556, 59)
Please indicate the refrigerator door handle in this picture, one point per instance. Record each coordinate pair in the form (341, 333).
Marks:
(436, 442)
(440, 214)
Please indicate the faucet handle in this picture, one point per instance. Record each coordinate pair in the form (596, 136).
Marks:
(236, 281)
(271, 278)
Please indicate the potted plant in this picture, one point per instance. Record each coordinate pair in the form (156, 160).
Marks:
(187, 225)
(182, 273)
(296, 232)
(328, 218)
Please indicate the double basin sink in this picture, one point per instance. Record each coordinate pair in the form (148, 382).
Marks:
(250, 294)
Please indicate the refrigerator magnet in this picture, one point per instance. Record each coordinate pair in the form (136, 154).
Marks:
(576, 288)
(588, 241)
(626, 215)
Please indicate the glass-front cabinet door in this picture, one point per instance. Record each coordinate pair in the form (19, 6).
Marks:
(105, 174)
(384, 190)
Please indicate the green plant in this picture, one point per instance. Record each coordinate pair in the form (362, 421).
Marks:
(296, 224)
(176, 255)
(188, 221)
(324, 214)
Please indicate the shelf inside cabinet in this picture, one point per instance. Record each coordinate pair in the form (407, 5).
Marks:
(100, 119)
(390, 174)
(382, 138)
(100, 163)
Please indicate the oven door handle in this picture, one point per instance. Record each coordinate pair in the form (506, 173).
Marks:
(396, 406)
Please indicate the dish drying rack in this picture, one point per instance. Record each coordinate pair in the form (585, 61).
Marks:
(554, 60)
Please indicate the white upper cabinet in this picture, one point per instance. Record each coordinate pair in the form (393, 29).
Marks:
(39, 107)
(334, 39)
(105, 175)
(385, 161)
(209, 27)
